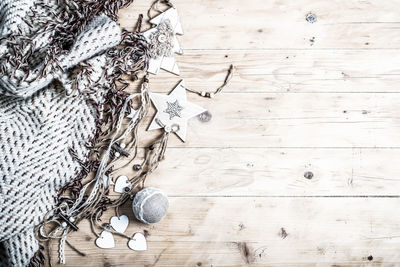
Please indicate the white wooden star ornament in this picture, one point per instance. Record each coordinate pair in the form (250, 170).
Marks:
(173, 111)
(163, 42)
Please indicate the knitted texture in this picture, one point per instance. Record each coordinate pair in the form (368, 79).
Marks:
(44, 110)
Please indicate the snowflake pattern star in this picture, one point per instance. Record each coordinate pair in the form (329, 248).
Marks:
(174, 109)
(163, 42)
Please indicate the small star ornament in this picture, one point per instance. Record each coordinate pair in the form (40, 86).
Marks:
(173, 111)
(163, 42)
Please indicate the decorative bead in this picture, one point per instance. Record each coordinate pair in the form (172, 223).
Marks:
(122, 145)
(127, 189)
(117, 154)
(162, 38)
(212, 95)
(137, 167)
(175, 128)
(71, 219)
(64, 224)
(203, 93)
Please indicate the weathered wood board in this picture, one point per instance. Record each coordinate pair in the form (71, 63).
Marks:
(298, 165)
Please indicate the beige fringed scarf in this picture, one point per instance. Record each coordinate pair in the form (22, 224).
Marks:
(59, 68)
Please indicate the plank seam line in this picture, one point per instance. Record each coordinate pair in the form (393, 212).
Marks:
(283, 196)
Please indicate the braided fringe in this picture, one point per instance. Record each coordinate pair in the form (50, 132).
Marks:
(38, 259)
(130, 58)
(134, 49)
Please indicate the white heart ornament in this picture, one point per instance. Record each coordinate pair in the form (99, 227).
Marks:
(121, 183)
(119, 223)
(110, 181)
(105, 240)
(138, 242)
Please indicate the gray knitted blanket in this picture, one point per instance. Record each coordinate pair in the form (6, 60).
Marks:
(58, 61)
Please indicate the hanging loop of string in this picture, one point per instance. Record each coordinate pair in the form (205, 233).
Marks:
(155, 6)
(228, 78)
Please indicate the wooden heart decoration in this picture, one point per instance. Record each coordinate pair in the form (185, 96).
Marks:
(138, 242)
(121, 183)
(105, 240)
(119, 223)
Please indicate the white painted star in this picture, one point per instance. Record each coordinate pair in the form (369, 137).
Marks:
(167, 63)
(187, 110)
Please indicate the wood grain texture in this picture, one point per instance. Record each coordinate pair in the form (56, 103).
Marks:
(298, 165)
(257, 231)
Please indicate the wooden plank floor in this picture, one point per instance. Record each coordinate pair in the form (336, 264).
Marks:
(307, 98)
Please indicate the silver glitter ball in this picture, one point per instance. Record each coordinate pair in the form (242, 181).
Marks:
(150, 205)
(205, 116)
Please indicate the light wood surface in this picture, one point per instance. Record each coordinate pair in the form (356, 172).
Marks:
(318, 98)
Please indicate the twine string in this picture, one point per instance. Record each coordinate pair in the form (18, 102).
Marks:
(228, 78)
(83, 206)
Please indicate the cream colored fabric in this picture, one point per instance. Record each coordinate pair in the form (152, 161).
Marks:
(39, 121)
